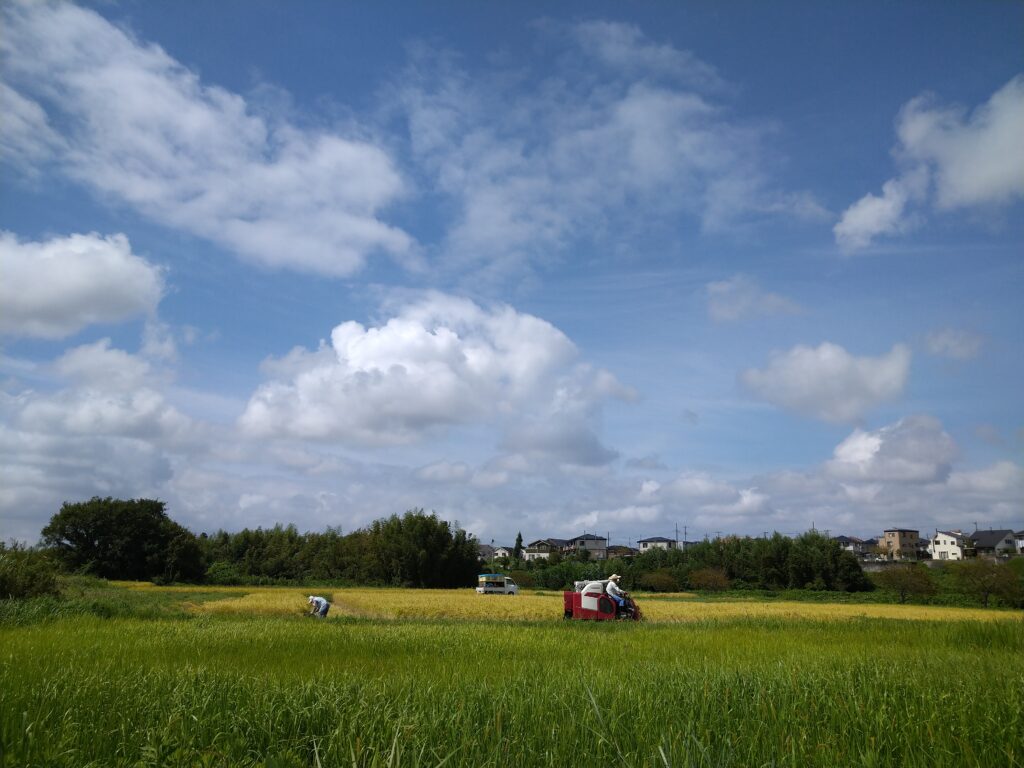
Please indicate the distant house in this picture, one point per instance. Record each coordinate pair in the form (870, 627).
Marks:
(621, 550)
(656, 542)
(859, 547)
(597, 546)
(991, 542)
(1019, 539)
(899, 543)
(503, 551)
(486, 552)
(949, 545)
(541, 549)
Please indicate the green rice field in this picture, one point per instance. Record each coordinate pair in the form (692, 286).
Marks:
(208, 689)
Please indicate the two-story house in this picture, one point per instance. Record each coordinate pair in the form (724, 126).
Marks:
(949, 545)
(541, 549)
(656, 542)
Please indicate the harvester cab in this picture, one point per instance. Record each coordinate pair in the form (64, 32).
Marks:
(588, 600)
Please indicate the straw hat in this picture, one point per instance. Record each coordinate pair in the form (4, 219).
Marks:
(614, 577)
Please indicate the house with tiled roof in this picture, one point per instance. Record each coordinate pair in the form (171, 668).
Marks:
(859, 547)
(621, 550)
(541, 549)
(990, 542)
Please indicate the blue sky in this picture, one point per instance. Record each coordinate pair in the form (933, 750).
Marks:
(539, 268)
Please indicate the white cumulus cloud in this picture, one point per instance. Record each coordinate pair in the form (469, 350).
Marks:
(977, 157)
(829, 383)
(55, 288)
(915, 449)
(439, 362)
(872, 216)
(953, 159)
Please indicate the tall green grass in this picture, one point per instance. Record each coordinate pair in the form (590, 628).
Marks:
(228, 691)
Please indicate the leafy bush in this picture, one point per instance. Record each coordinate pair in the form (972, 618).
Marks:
(222, 572)
(709, 579)
(523, 578)
(661, 580)
(26, 573)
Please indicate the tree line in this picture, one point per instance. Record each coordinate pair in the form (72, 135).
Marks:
(809, 561)
(136, 540)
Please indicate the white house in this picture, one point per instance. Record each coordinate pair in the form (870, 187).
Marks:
(948, 545)
(656, 542)
(503, 552)
(1019, 539)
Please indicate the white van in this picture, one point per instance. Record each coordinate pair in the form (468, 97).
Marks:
(496, 584)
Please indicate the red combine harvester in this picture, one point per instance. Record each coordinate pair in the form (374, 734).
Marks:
(589, 601)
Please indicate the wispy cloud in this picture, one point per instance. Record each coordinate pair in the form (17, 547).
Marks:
(741, 297)
(956, 344)
(143, 129)
(631, 135)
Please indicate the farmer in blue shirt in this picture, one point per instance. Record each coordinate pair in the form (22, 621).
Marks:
(320, 606)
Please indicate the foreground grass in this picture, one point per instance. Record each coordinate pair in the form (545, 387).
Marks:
(225, 689)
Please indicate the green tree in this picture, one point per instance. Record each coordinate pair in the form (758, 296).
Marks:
(517, 550)
(117, 539)
(907, 579)
(984, 579)
(420, 550)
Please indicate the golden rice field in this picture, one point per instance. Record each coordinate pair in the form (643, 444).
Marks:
(239, 679)
(382, 603)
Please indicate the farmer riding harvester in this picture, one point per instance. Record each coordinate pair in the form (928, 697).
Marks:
(592, 600)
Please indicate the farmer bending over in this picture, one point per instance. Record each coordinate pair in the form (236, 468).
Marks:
(320, 606)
